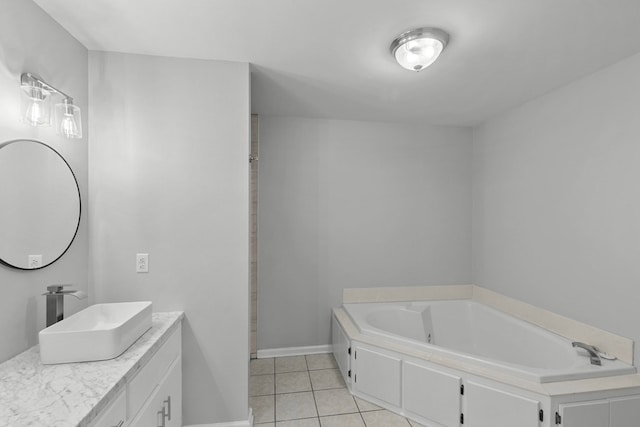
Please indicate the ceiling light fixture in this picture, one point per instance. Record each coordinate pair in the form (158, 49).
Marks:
(36, 107)
(416, 49)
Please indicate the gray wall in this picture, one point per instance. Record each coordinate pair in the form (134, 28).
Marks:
(557, 201)
(30, 41)
(355, 204)
(169, 177)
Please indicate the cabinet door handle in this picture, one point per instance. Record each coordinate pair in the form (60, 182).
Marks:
(162, 417)
(168, 403)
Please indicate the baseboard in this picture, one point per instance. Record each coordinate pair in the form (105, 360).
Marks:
(295, 351)
(229, 424)
(248, 423)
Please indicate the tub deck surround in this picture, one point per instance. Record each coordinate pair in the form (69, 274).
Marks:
(478, 334)
(551, 389)
(616, 345)
(434, 360)
(494, 374)
(406, 293)
(33, 394)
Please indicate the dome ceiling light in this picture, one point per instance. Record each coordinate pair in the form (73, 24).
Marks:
(416, 49)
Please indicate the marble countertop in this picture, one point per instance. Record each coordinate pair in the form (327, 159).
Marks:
(72, 394)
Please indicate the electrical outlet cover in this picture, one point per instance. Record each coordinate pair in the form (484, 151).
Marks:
(35, 261)
(142, 263)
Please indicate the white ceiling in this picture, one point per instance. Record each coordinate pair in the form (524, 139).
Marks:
(330, 58)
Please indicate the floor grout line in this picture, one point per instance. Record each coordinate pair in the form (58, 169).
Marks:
(318, 416)
(315, 402)
(274, 391)
(362, 418)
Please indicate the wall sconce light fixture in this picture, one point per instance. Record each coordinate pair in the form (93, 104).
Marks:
(416, 49)
(36, 107)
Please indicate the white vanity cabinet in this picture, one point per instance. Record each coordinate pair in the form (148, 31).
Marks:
(154, 395)
(164, 407)
(115, 415)
(106, 393)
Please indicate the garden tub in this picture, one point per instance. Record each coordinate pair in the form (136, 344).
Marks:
(473, 333)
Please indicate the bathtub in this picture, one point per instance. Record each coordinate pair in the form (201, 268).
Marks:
(479, 335)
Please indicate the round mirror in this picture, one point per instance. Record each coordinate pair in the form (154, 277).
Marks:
(40, 204)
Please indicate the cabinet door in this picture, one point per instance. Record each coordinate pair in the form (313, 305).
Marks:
(150, 415)
(341, 349)
(377, 375)
(164, 407)
(171, 394)
(431, 394)
(114, 415)
(625, 412)
(150, 375)
(489, 407)
(585, 414)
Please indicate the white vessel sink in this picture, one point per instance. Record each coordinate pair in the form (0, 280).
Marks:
(99, 332)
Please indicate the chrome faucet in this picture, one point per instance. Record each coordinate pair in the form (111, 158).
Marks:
(593, 352)
(55, 302)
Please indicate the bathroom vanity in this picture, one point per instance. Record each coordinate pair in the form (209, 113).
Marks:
(141, 387)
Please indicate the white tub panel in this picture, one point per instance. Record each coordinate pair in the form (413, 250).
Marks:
(585, 414)
(341, 349)
(431, 394)
(378, 375)
(489, 407)
(625, 412)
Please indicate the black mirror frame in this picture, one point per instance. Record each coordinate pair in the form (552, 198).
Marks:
(5, 263)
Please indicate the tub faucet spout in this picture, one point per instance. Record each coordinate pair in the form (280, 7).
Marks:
(593, 352)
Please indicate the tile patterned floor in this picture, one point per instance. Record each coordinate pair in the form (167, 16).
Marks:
(308, 391)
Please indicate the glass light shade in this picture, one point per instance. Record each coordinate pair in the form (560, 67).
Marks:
(36, 106)
(68, 120)
(415, 50)
(418, 54)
